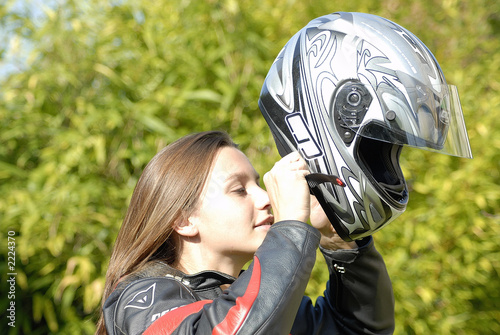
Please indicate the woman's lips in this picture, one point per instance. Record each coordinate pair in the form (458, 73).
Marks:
(267, 222)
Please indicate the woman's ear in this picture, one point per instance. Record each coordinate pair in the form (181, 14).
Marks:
(186, 227)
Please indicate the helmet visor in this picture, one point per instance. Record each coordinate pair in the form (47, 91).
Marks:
(433, 122)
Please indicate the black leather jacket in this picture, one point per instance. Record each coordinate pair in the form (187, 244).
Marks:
(267, 298)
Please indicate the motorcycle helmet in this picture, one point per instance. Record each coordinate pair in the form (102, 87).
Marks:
(348, 91)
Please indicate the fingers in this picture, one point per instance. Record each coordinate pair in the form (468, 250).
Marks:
(294, 157)
(291, 162)
(287, 188)
(330, 239)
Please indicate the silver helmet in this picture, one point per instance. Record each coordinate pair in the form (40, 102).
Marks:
(348, 91)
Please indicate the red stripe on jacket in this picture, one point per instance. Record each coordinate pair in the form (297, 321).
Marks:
(171, 320)
(232, 322)
(238, 313)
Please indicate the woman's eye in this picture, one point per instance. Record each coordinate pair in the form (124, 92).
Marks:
(241, 190)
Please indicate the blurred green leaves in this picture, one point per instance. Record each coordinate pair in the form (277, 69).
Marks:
(106, 84)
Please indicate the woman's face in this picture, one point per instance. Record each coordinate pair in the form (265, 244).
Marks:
(234, 214)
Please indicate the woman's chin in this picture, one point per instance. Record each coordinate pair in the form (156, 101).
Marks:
(263, 228)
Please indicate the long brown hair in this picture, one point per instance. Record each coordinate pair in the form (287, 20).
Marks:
(167, 191)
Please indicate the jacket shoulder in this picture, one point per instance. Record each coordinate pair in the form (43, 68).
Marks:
(133, 308)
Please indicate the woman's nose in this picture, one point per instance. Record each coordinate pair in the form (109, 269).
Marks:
(262, 199)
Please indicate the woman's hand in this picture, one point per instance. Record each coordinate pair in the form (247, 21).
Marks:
(287, 188)
(329, 237)
(289, 196)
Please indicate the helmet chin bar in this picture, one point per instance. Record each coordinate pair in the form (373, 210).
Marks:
(340, 219)
(314, 180)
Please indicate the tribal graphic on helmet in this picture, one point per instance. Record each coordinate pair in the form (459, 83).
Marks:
(348, 91)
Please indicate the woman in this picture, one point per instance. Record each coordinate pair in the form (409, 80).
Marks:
(198, 215)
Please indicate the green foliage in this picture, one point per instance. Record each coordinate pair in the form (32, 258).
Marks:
(107, 84)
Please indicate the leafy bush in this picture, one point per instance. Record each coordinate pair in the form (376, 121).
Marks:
(104, 86)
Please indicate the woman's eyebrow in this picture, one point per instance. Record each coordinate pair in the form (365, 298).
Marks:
(241, 176)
